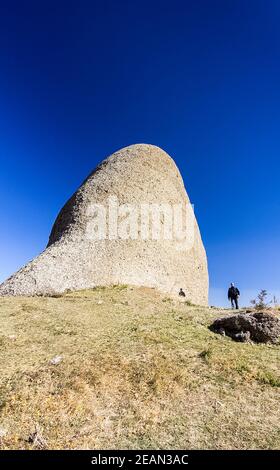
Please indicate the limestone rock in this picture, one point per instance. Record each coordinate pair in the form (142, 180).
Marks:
(259, 327)
(56, 360)
(137, 176)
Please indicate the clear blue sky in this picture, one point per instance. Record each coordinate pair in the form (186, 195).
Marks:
(81, 79)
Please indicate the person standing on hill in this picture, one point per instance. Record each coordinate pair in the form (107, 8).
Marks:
(233, 294)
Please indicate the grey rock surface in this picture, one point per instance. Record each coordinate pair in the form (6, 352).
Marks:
(138, 174)
(258, 327)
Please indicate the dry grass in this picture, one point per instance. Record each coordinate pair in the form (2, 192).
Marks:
(138, 371)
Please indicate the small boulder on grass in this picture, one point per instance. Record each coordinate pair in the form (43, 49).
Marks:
(56, 360)
(258, 327)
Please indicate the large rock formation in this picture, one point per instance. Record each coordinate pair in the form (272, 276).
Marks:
(96, 240)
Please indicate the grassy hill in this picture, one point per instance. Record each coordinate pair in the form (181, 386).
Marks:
(138, 370)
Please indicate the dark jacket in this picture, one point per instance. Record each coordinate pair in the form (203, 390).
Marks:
(233, 293)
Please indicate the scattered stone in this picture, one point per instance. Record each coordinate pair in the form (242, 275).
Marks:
(12, 337)
(242, 337)
(56, 360)
(244, 327)
(179, 318)
(3, 432)
(74, 259)
(37, 439)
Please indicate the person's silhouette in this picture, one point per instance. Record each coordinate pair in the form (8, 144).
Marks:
(182, 293)
(233, 294)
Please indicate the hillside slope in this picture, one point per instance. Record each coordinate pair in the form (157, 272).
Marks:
(138, 370)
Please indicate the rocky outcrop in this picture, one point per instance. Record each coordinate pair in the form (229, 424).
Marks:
(90, 245)
(258, 327)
